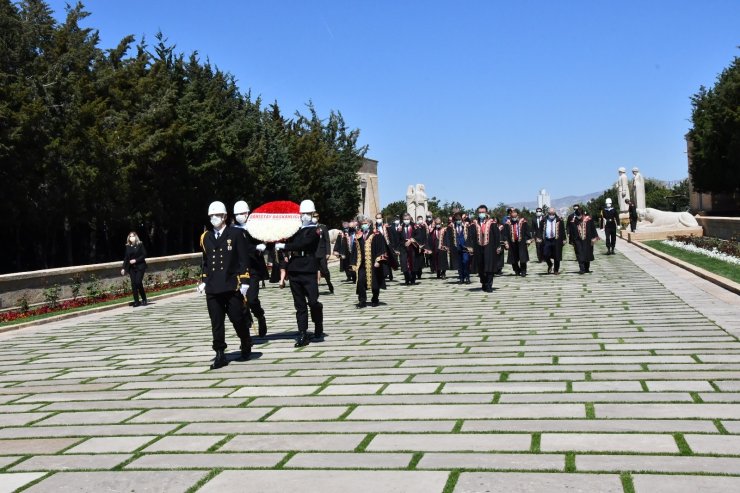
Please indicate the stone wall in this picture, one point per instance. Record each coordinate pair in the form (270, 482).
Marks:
(720, 227)
(32, 284)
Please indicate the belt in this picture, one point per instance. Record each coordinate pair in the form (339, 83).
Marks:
(300, 254)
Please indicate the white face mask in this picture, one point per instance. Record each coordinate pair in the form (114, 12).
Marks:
(241, 218)
(315, 220)
(216, 221)
(396, 222)
(407, 221)
(306, 218)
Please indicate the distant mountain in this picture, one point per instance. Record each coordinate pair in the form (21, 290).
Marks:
(560, 202)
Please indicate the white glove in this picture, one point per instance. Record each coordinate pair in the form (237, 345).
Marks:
(201, 288)
(279, 246)
(243, 289)
(261, 247)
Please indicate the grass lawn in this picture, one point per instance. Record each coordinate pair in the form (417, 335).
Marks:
(118, 301)
(715, 266)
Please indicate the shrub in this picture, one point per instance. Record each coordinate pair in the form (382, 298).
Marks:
(76, 286)
(52, 295)
(728, 247)
(23, 304)
(94, 288)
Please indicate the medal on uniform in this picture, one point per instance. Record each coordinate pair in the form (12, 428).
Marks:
(228, 244)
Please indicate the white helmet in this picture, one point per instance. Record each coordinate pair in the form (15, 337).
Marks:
(307, 207)
(241, 207)
(216, 208)
(608, 201)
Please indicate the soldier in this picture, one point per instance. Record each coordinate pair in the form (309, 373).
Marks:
(225, 281)
(323, 251)
(301, 269)
(258, 268)
(632, 211)
(488, 247)
(609, 223)
(552, 232)
(518, 238)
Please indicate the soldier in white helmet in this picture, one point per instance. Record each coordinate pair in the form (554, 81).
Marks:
(302, 268)
(225, 282)
(258, 268)
(610, 222)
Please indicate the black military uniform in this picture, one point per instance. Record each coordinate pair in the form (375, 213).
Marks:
(322, 252)
(632, 210)
(136, 270)
(304, 286)
(610, 221)
(257, 273)
(225, 267)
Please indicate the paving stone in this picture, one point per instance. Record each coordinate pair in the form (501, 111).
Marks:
(64, 462)
(598, 397)
(612, 442)
(614, 386)
(10, 482)
(729, 386)
(307, 413)
(684, 386)
(85, 418)
(331, 400)
(656, 483)
(201, 415)
(410, 388)
(349, 461)
(268, 443)
(142, 404)
(533, 462)
(36, 446)
(79, 396)
(350, 389)
(658, 463)
(206, 461)
(451, 442)
(92, 430)
(124, 481)
(721, 444)
(7, 460)
(720, 397)
(327, 427)
(328, 481)
(184, 443)
(470, 411)
(591, 425)
(110, 444)
(512, 482)
(275, 391)
(474, 388)
(185, 393)
(732, 426)
(709, 411)
(20, 419)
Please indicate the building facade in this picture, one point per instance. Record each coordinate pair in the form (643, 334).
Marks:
(369, 191)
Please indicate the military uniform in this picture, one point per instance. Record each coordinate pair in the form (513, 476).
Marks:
(257, 273)
(225, 267)
(610, 221)
(322, 251)
(302, 267)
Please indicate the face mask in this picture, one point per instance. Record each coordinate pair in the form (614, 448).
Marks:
(458, 223)
(306, 218)
(396, 222)
(351, 230)
(551, 216)
(578, 213)
(481, 216)
(379, 222)
(438, 226)
(514, 219)
(429, 220)
(216, 221)
(241, 218)
(407, 221)
(315, 220)
(365, 227)
(539, 214)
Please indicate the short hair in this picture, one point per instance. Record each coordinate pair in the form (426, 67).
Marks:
(456, 216)
(483, 206)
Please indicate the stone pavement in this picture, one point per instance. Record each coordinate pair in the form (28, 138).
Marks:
(627, 379)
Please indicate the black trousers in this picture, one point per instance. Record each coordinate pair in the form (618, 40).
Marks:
(220, 305)
(137, 283)
(519, 266)
(550, 253)
(539, 246)
(324, 269)
(486, 280)
(253, 297)
(584, 266)
(305, 290)
(362, 295)
(633, 224)
(611, 237)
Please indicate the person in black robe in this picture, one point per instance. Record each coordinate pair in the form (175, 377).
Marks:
(536, 223)
(411, 244)
(339, 250)
(610, 223)
(439, 244)
(389, 234)
(552, 232)
(344, 248)
(584, 237)
(518, 238)
(372, 254)
(569, 227)
(423, 232)
(461, 246)
(487, 248)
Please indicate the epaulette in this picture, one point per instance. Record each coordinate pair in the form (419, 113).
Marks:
(202, 239)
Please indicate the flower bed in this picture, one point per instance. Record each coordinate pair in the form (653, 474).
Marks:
(54, 306)
(727, 251)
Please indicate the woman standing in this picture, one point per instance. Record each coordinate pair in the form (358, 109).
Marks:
(135, 264)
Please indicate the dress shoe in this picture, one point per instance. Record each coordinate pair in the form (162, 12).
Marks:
(331, 287)
(549, 270)
(136, 303)
(302, 340)
(144, 303)
(262, 326)
(318, 337)
(375, 303)
(557, 272)
(246, 351)
(361, 304)
(219, 361)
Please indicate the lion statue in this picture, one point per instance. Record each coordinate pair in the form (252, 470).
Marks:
(657, 219)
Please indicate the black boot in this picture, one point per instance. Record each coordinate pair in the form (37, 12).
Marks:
(246, 348)
(262, 326)
(219, 361)
(318, 333)
(331, 286)
(302, 340)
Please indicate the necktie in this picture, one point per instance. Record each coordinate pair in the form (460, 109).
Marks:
(217, 234)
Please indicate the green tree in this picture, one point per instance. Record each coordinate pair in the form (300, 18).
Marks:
(714, 139)
(397, 208)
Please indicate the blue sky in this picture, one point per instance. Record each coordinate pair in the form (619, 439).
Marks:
(482, 101)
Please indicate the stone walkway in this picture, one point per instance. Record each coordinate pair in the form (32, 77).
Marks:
(627, 379)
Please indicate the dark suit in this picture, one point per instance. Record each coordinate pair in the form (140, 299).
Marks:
(136, 270)
(553, 239)
(225, 267)
(322, 251)
(302, 268)
(535, 233)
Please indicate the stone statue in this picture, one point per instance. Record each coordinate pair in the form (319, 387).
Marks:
(411, 202)
(655, 219)
(623, 190)
(639, 184)
(421, 201)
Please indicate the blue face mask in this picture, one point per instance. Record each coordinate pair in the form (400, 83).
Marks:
(365, 227)
(481, 216)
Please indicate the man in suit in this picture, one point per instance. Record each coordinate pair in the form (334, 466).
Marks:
(537, 221)
(552, 232)
(225, 281)
(301, 268)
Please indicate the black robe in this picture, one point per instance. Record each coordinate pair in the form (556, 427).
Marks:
(411, 257)
(347, 253)
(560, 239)
(584, 231)
(517, 249)
(488, 247)
(439, 243)
(372, 250)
